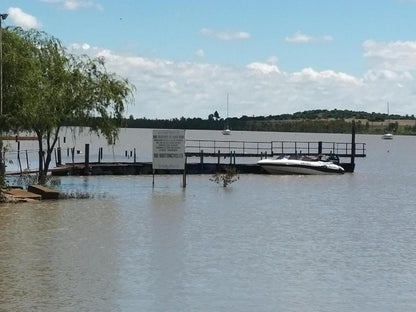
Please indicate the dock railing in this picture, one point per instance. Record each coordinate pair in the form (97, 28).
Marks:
(257, 149)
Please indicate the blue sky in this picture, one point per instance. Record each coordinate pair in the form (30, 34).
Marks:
(271, 57)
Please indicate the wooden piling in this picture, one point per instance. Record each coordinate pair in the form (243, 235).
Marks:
(18, 157)
(353, 144)
(87, 159)
(27, 160)
(59, 156)
(201, 159)
(184, 175)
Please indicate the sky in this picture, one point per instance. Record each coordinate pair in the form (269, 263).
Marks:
(269, 56)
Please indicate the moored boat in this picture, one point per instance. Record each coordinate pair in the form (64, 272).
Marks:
(387, 136)
(300, 165)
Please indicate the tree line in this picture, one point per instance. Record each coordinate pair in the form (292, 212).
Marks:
(320, 121)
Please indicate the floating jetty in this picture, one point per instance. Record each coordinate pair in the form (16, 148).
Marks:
(210, 156)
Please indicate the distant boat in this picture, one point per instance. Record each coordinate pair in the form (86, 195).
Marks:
(226, 130)
(387, 135)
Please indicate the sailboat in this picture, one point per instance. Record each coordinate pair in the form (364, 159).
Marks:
(227, 130)
(387, 135)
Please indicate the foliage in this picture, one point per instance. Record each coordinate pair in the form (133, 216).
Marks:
(80, 195)
(26, 179)
(228, 175)
(46, 87)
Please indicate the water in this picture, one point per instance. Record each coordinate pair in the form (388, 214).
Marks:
(266, 243)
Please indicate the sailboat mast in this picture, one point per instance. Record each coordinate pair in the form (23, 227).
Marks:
(227, 104)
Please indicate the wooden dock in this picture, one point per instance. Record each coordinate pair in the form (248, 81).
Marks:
(210, 156)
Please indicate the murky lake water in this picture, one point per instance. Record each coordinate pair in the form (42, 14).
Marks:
(266, 243)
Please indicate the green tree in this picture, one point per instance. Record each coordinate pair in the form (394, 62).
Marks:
(51, 87)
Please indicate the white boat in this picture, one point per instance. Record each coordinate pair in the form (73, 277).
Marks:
(300, 165)
(227, 130)
(387, 136)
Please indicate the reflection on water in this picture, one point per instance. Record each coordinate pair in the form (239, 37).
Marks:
(267, 243)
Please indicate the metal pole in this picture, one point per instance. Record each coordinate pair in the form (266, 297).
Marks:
(2, 168)
(2, 17)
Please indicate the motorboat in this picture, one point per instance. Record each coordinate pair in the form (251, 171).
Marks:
(302, 165)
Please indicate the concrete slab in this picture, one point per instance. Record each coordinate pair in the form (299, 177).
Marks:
(45, 192)
(22, 194)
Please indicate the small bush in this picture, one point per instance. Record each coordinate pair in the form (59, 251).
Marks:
(225, 177)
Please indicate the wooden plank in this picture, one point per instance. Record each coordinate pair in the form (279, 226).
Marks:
(22, 194)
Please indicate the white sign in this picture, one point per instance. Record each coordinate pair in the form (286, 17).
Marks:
(169, 149)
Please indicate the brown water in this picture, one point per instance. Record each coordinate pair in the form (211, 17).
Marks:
(267, 243)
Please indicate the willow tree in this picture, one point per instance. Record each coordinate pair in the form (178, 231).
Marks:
(53, 87)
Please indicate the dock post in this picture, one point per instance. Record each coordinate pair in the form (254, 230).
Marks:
(218, 160)
(319, 147)
(59, 156)
(18, 157)
(27, 161)
(87, 159)
(201, 161)
(353, 145)
(135, 156)
(184, 174)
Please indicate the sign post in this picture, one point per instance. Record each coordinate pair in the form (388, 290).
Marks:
(168, 150)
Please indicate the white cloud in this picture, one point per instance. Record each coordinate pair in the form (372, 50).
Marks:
(395, 56)
(263, 68)
(22, 19)
(300, 37)
(167, 89)
(74, 4)
(273, 60)
(200, 53)
(225, 35)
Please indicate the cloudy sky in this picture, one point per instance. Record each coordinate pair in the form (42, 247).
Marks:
(270, 56)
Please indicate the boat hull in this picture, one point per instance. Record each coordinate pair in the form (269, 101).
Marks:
(300, 167)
